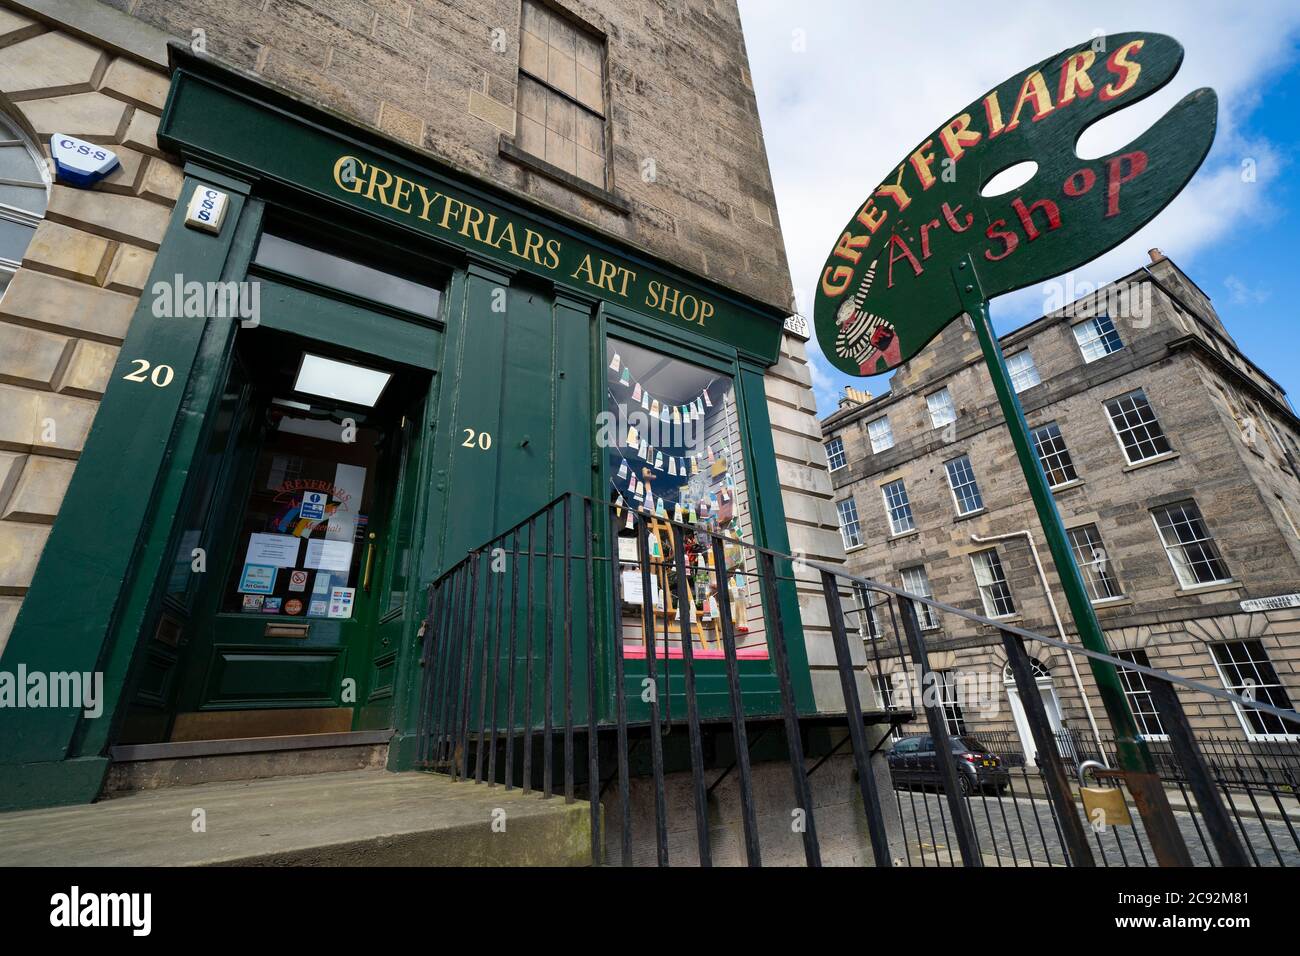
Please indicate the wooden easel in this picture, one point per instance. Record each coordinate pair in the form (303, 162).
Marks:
(663, 531)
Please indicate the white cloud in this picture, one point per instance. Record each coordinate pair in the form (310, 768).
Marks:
(873, 80)
(1240, 293)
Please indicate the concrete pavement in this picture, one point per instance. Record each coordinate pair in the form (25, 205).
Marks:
(363, 817)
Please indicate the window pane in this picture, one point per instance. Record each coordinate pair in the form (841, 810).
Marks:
(1137, 427)
(340, 269)
(898, 507)
(835, 454)
(532, 115)
(887, 699)
(942, 410)
(1094, 562)
(849, 527)
(1192, 552)
(14, 238)
(869, 606)
(675, 451)
(591, 89)
(961, 478)
(1054, 456)
(1139, 697)
(30, 199)
(1097, 338)
(952, 712)
(995, 594)
(302, 456)
(881, 434)
(17, 163)
(917, 582)
(1246, 670)
(1024, 373)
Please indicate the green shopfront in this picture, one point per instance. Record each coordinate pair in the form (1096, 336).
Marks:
(351, 366)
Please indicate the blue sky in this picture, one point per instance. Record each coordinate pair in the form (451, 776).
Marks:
(846, 88)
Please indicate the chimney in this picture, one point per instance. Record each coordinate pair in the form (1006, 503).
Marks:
(1156, 256)
(856, 396)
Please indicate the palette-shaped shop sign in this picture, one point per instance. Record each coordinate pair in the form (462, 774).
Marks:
(887, 289)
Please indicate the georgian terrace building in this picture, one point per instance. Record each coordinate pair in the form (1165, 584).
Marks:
(1173, 458)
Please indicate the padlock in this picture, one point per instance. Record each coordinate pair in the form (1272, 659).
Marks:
(1103, 806)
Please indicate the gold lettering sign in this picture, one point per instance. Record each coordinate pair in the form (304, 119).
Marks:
(372, 183)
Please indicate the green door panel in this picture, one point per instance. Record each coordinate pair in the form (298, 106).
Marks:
(525, 377)
(399, 603)
(256, 678)
(575, 327)
(475, 415)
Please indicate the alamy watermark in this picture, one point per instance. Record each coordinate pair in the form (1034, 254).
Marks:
(74, 909)
(176, 298)
(1130, 301)
(979, 691)
(57, 690)
(613, 429)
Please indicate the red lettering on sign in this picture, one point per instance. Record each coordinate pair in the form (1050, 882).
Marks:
(925, 237)
(1009, 239)
(897, 240)
(1116, 176)
(1026, 215)
(1086, 178)
(950, 214)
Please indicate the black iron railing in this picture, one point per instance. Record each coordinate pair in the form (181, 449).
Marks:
(566, 655)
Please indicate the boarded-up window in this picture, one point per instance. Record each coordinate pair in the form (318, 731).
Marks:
(562, 94)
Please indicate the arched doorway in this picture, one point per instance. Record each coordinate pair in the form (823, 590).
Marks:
(1052, 706)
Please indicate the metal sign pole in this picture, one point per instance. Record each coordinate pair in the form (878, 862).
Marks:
(1139, 772)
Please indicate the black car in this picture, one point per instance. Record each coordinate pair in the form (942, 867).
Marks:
(912, 763)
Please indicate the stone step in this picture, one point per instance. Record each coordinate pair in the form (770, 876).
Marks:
(138, 767)
(357, 818)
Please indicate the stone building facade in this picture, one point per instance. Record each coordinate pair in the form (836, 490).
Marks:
(65, 312)
(1173, 460)
(568, 114)
(460, 80)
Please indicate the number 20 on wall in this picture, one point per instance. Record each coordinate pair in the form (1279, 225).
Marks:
(475, 439)
(160, 375)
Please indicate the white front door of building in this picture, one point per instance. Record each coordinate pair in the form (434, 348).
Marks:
(1051, 705)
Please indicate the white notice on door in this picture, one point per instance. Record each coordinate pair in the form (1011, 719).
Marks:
(632, 593)
(275, 550)
(327, 555)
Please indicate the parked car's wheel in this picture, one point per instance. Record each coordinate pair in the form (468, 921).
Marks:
(963, 784)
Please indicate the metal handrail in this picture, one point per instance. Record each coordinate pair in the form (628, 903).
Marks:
(1288, 715)
(479, 655)
(841, 572)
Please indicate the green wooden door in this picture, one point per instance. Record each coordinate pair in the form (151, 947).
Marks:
(285, 627)
(398, 599)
